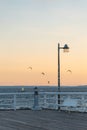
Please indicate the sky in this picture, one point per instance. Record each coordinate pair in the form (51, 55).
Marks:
(30, 31)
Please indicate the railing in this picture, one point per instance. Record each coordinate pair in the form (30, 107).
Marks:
(16, 100)
(72, 101)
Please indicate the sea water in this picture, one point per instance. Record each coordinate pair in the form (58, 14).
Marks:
(22, 97)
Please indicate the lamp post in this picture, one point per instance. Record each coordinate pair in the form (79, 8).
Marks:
(65, 48)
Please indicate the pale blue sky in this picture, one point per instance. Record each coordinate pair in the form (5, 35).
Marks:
(31, 29)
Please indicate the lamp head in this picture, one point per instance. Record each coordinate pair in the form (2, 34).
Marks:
(66, 48)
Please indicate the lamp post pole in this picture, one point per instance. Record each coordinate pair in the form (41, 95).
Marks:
(65, 48)
(58, 76)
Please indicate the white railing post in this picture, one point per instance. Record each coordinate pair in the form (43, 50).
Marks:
(15, 102)
(83, 102)
(45, 103)
(56, 98)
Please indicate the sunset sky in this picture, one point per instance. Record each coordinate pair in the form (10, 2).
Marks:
(30, 31)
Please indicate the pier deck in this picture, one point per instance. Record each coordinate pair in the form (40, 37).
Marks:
(42, 120)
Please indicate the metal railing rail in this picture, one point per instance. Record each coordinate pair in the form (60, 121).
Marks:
(72, 101)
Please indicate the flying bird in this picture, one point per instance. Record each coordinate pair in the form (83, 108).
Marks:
(69, 71)
(43, 73)
(48, 82)
(29, 68)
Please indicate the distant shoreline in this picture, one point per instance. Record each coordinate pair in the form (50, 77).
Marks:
(43, 88)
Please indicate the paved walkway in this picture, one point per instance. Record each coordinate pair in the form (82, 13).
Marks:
(42, 120)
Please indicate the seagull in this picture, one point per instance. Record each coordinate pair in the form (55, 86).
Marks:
(43, 73)
(48, 82)
(69, 71)
(29, 68)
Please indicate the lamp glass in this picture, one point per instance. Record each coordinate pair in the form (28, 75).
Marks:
(65, 48)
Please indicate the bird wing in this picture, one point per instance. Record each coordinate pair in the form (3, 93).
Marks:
(69, 71)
